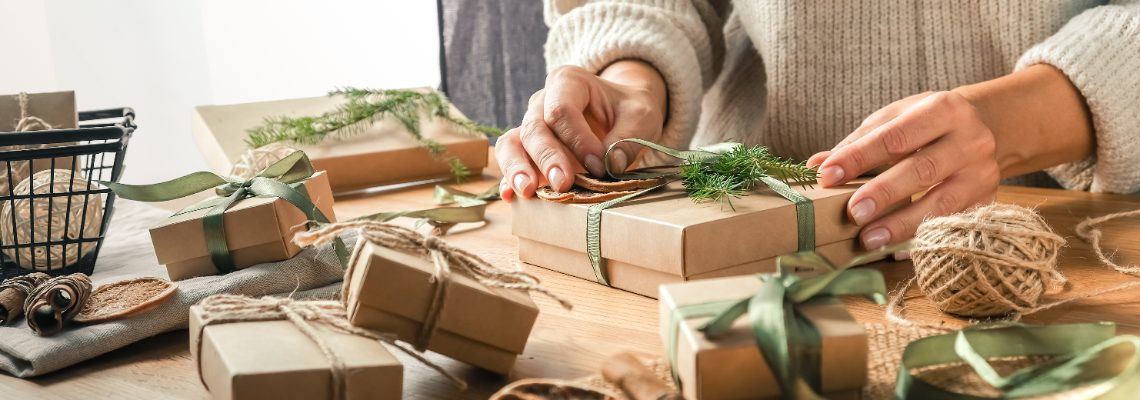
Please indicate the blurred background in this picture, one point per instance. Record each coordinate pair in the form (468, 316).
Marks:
(165, 57)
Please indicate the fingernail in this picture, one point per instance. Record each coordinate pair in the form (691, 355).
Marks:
(555, 176)
(619, 162)
(594, 164)
(902, 255)
(521, 180)
(876, 238)
(830, 175)
(863, 211)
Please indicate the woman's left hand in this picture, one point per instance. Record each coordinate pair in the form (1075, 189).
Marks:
(936, 141)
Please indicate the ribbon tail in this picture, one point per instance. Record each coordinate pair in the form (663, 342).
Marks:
(594, 231)
(169, 190)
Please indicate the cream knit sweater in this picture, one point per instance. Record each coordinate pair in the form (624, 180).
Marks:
(799, 76)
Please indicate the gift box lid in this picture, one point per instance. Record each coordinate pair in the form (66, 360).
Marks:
(719, 362)
(259, 360)
(220, 132)
(248, 222)
(665, 231)
(397, 282)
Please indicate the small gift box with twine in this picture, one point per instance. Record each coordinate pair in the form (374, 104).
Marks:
(436, 296)
(251, 222)
(808, 343)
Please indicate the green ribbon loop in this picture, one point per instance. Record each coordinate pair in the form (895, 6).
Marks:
(805, 209)
(789, 342)
(1086, 354)
(281, 180)
(472, 208)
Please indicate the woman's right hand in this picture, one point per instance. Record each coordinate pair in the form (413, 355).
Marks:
(572, 122)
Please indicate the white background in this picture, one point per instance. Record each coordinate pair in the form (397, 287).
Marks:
(164, 57)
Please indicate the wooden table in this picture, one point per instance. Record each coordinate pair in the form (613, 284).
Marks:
(573, 344)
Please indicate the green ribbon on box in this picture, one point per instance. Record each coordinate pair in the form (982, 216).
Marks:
(1087, 354)
(805, 210)
(789, 342)
(281, 180)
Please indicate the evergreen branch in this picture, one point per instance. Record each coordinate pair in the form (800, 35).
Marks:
(365, 108)
(734, 173)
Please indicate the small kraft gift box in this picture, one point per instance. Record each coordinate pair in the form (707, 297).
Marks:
(664, 237)
(276, 360)
(393, 291)
(383, 154)
(713, 328)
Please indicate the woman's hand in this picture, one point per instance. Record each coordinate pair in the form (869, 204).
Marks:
(572, 122)
(956, 146)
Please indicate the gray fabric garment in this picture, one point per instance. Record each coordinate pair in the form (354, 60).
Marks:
(127, 253)
(494, 57)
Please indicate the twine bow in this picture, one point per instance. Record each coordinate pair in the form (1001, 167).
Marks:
(805, 209)
(228, 308)
(788, 341)
(282, 180)
(444, 257)
(28, 122)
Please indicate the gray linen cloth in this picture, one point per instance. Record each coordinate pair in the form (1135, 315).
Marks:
(127, 253)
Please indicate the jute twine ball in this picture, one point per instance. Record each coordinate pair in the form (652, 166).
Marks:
(256, 160)
(63, 215)
(990, 261)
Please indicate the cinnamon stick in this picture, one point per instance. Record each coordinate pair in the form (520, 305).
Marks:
(14, 292)
(628, 373)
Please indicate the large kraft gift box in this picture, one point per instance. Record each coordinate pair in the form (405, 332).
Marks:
(58, 109)
(383, 154)
(274, 360)
(663, 237)
(731, 367)
(258, 230)
(390, 291)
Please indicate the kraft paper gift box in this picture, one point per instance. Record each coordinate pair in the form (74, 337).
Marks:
(731, 367)
(57, 109)
(663, 237)
(258, 230)
(482, 326)
(383, 154)
(275, 360)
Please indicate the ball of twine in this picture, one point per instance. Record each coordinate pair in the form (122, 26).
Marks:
(50, 219)
(989, 261)
(256, 160)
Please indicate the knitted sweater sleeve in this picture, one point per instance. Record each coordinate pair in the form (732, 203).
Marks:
(682, 39)
(1099, 50)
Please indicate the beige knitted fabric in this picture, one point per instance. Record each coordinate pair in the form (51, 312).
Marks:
(798, 76)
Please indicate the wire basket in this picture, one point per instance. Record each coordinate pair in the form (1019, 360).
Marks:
(53, 212)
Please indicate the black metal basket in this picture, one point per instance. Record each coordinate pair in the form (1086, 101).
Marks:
(93, 152)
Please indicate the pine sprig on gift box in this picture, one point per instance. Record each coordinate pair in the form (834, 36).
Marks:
(364, 108)
(733, 173)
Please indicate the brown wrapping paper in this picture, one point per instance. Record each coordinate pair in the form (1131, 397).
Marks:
(731, 367)
(383, 154)
(664, 237)
(258, 230)
(485, 327)
(274, 360)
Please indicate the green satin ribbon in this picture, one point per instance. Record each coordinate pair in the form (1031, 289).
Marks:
(472, 208)
(789, 342)
(1087, 354)
(805, 210)
(281, 180)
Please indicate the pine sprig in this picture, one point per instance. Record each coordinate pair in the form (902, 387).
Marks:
(733, 173)
(364, 108)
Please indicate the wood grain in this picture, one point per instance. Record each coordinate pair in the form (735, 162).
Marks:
(572, 344)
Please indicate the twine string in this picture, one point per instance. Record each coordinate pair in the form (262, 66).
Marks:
(228, 308)
(28, 122)
(444, 256)
(1089, 231)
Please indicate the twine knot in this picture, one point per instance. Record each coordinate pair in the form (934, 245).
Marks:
(443, 256)
(228, 308)
(28, 122)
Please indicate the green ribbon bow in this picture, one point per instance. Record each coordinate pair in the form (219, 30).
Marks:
(1087, 354)
(282, 180)
(805, 210)
(789, 342)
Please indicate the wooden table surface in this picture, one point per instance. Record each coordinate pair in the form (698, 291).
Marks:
(573, 344)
